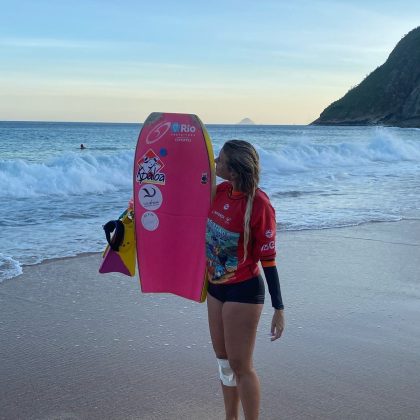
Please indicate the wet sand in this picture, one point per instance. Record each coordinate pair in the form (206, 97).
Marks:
(75, 344)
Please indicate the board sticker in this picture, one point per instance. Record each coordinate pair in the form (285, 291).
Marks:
(149, 169)
(150, 197)
(158, 132)
(150, 221)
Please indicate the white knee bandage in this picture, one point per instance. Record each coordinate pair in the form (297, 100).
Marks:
(226, 373)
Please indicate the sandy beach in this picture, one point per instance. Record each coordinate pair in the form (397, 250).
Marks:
(79, 345)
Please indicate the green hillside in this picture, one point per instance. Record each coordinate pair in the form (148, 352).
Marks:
(390, 95)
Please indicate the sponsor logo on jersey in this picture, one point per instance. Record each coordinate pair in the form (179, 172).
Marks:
(267, 247)
(268, 233)
(218, 214)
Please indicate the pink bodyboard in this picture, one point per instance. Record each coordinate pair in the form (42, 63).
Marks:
(173, 179)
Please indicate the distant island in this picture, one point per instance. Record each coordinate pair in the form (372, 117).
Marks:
(246, 121)
(390, 95)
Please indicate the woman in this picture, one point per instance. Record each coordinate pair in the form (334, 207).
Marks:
(240, 232)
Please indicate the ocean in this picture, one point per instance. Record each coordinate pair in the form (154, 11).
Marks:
(54, 197)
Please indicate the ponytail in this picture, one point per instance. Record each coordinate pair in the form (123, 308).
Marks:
(243, 160)
(247, 223)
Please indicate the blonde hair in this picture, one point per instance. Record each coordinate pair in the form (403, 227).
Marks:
(244, 162)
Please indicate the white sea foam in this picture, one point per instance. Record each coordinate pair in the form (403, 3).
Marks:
(305, 154)
(68, 174)
(9, 268)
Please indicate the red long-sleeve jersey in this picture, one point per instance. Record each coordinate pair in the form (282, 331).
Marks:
(225, 235)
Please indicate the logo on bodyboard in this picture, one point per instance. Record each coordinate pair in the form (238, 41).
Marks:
(177, 127)
(183, 133)
(150, 197)
(150, 221)
(158, 132)
(149, 169)
(204, 178)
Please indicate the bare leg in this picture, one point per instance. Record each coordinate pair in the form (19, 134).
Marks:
(230, 394)
(240, 321)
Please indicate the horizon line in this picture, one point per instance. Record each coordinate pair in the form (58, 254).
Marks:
(133, 123)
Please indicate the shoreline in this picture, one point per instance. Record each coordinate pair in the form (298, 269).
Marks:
(68, 257)
(76, 344)
(280, 232)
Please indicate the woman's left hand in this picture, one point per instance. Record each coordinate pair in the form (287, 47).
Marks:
(277, 324)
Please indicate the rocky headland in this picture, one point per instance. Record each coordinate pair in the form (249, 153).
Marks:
(390, 95)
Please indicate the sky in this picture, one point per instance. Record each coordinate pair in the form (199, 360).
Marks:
(276, 62)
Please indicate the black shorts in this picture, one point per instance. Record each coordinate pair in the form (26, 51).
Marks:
(248, 291)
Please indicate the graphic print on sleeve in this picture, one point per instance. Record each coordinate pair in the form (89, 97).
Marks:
(221, 251)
